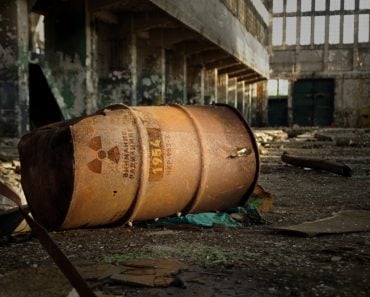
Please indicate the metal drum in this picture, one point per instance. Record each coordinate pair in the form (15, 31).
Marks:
(127, 164)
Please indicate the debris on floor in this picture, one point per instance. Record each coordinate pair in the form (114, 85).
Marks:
(261, 199)
(233, 218)
(334, 167)
(345, 221)
(136, 272)
(265, 135)
(10, 175)
(12, 221)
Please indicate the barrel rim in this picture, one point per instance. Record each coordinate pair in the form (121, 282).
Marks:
(255, 149)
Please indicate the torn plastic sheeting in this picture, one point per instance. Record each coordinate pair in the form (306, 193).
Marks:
(209, 219)
(205, 219)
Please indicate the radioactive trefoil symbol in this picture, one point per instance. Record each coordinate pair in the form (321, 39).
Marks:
(113, 154)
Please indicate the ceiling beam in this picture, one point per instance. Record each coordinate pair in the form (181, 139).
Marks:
(222, 63)
(231, 69)
(192, 47)
(242, 72)
(248, 76)
(252, 81)
(206, 57)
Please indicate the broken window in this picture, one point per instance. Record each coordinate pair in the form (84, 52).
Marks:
(277, 31)
(291, 30)
(349, 4)
(334, 5)
(364, 4)
(348, 29)
(306, 5)
(278, 6)
(334, 29)
(291, 6)
(320, 5)
(305, 33)
(319, 33)
(363, 28)
(277, 87)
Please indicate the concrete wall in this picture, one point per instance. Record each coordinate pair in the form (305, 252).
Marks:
(347, 64)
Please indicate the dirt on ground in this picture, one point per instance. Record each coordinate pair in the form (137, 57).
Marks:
(250, 261)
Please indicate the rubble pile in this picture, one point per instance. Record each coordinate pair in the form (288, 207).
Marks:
(10, 171)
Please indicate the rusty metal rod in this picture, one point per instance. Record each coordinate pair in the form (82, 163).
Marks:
(334, 167)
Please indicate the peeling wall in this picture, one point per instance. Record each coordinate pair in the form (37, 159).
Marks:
(113, 65)
(150, 73)
(175, 80)
(352, 88)
(65, 53)
(348, 64)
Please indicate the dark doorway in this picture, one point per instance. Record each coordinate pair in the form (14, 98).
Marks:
(313, 102)
(278, 112)
(44, 108)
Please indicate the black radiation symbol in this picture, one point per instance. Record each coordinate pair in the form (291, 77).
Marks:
(97, 164)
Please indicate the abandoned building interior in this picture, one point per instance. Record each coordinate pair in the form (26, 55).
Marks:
(184, 148)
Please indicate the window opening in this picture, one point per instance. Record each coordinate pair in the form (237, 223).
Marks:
(364, 4)
(319, 33)
(306, 5)
(278, 6)
(334, 5)
(349, 4)
(334, 29)
(348, 29)
(305, 34)
(320, 5)
(291, 6)
(363, 28)
(277, 31)
(291, 30)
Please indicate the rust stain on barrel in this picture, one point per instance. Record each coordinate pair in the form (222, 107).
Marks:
(138, 163)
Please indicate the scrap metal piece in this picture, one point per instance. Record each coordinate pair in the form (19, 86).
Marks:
(334, 167)
(345, 221)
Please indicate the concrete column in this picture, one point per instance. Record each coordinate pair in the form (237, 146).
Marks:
(14, 97)
(236, 93)
(284, 22)
(290, 102)
(91, 79)
(164, 76)
(133, 66)
(244, 100)
(23, 107)
(216, 84)
(202, 85)
(227, 89)
(298, 34)
(250, 100)
(341, 23)
(312, 25)
(355, 37)
(326, 43)
(185, 81)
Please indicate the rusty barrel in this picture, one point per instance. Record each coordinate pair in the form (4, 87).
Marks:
(127, 164)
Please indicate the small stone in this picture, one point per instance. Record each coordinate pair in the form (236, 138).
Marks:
(336, 258)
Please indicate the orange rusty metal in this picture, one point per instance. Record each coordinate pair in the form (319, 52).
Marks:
(127, 164)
